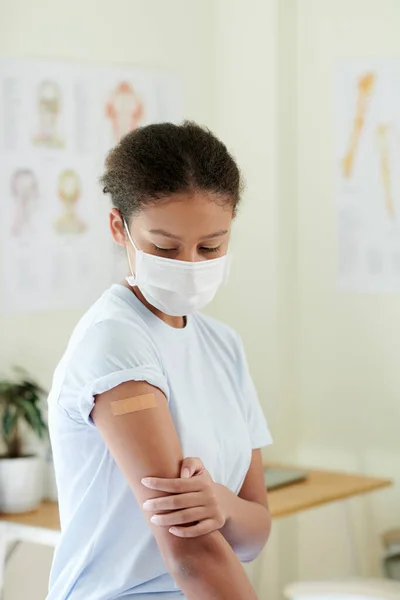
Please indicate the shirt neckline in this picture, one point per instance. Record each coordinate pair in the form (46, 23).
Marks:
(123, 292)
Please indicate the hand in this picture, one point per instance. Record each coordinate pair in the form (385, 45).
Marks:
(193, 506)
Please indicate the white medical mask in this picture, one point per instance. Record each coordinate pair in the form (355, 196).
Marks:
(176, 287)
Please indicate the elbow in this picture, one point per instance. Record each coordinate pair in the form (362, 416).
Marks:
(248, 557)
(250, 553)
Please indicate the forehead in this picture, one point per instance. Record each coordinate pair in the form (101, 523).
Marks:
(187, 215)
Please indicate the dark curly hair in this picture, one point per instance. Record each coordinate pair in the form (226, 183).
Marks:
(164, 159)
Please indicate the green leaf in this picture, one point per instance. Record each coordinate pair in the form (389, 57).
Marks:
(33, 387)
(20, 398)
(10, 419)
(6, 390)
(32, 416)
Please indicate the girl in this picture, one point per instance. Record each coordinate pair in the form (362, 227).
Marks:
(155, 423)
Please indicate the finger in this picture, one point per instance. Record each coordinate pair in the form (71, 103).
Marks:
(173, 486)
(191, 466)
(176, 502)
(202, 528)
(180, 517)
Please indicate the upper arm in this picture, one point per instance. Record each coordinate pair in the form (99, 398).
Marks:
(253, 488)
(144, 444)
(255, 419)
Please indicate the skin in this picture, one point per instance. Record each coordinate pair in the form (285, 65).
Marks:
(201, 527)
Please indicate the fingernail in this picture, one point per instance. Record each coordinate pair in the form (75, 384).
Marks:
(147, 505)
(155, 519)
(173, 530)
(147, 481)
(185, 474)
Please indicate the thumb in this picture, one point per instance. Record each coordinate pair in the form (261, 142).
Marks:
(191, 466)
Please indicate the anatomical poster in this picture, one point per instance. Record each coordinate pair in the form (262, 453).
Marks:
(367, 173)
(57, 123)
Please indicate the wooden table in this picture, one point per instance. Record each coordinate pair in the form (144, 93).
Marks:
(46, 517)
(320, 488)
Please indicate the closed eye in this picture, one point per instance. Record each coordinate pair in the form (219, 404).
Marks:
(164, 250)
(210, 250)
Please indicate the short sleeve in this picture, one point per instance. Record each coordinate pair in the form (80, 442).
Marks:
(256, 422)
(110, 353)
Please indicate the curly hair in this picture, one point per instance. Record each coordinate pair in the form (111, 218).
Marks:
(160, 160)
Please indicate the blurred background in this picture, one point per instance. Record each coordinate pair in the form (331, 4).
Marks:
(278, 81)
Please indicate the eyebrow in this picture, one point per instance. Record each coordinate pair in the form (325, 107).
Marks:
(176, 237)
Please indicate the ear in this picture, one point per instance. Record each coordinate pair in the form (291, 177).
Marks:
(117, 227)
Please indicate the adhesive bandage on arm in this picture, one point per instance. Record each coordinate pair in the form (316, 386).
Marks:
(134, 404)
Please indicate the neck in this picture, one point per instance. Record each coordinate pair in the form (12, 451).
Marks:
(175, 322)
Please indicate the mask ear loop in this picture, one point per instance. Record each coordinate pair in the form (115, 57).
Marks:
(131, 279)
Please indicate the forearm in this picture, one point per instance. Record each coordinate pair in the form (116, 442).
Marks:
(248, 524)
(211, 571)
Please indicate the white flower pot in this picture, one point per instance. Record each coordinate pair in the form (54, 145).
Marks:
(21, 484)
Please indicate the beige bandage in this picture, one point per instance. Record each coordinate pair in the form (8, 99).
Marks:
(129, 405)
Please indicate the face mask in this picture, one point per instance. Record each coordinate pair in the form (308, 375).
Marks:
(176, 287)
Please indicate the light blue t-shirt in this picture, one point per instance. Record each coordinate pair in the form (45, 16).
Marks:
(107, 550)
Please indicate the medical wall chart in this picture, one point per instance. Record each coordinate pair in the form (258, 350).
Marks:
(367, 175)
(58, 121)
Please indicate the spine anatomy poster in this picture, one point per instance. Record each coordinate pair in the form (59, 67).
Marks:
(367, 170)
(58, 122)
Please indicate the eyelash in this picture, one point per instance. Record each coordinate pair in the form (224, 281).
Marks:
(170, 250)
(210, 250)
(164, 250)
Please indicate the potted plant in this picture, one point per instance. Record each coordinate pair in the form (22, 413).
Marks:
(21, 475)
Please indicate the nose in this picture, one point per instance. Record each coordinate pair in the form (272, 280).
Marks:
(190, 255)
